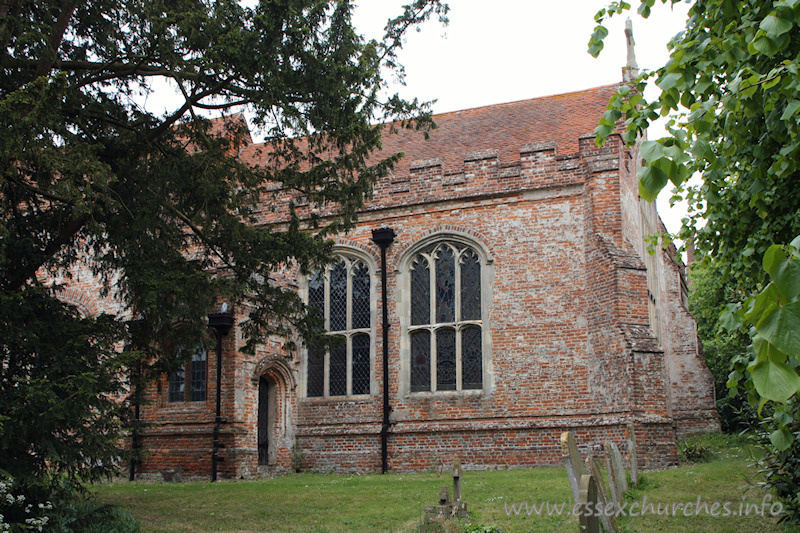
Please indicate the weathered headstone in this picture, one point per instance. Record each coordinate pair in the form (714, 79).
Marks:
(632, 454)
(172, 475)
(608, 516)
(572, 460)
(447, 509)
(618, 466)
(444, 496)
(587, 506)
(457, 480)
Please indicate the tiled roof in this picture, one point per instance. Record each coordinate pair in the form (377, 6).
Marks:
(563, 118)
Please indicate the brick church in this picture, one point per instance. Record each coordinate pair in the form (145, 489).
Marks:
(520, 302)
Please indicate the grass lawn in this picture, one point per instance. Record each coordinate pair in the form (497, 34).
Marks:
(395, 502)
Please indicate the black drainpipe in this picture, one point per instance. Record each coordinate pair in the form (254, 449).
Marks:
(221, 323)
(383, 237)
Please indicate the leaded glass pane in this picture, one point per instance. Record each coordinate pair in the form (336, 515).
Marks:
(470, 286)
(420, 291)
(198, 392)
(361, 364)
(361, 300)
(445, 285)
(446, 359)
(337, 370)
(316, 372)
(421, 361)
(316, 294)
(338, 293)
(471, 358)
(177, 382)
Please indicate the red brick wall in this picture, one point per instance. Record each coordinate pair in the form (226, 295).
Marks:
(568, 326)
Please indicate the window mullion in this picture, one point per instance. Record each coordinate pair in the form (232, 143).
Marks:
(457, 286)
(432, 316)
(326, 359)
(187, 382)
(458, 359)
(433, 358)
(349, 363)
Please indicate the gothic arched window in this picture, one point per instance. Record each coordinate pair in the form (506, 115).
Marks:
(342, 295)
(196, 372)
(446, 326)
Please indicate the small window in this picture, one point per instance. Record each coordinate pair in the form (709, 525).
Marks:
(446, 322)
(341, 295)
(196, 372)
(684, 292)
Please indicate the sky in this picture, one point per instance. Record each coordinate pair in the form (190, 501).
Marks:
(495, 51)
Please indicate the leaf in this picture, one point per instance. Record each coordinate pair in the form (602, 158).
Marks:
(775, 26)
(763, 44)
(730, 319)
(651, 181)
(781, 438)
(596, 40)
(781, 327)
(771, 82)
(784, 271)
(766, 351)
(766, 299)
(601, 133)
(669, 81)
(774, 381)
(791, 109)
(651, 150)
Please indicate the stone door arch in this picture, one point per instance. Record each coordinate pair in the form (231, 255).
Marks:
(275, 387)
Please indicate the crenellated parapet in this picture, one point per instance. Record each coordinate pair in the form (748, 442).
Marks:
(476, 174)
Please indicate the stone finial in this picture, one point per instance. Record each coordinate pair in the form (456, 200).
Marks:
(631, 61)
(444, 496)
(631, 68)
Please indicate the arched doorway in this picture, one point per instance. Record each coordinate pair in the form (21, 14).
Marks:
(272, 414)
(267, 418)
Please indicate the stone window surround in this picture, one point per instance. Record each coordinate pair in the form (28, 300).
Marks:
(350, 255)
(187, 380)
(403, 309)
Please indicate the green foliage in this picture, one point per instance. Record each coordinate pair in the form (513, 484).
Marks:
(160, 204)
(780, 467)
(60, 422)
(772, 366)
(731, 86)
(692, 450)
(709, 295)
(774, 322)
(63, 512)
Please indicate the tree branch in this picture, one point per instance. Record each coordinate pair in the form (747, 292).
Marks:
(51, 51)
(38, 192)
(16, 278)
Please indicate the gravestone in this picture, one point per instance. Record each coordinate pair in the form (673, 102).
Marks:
(604, 498)
(172, 475)
(572, 460)
(447, 509)
(632, 455)
(457, 480)
(587, 505)
(618, 467)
